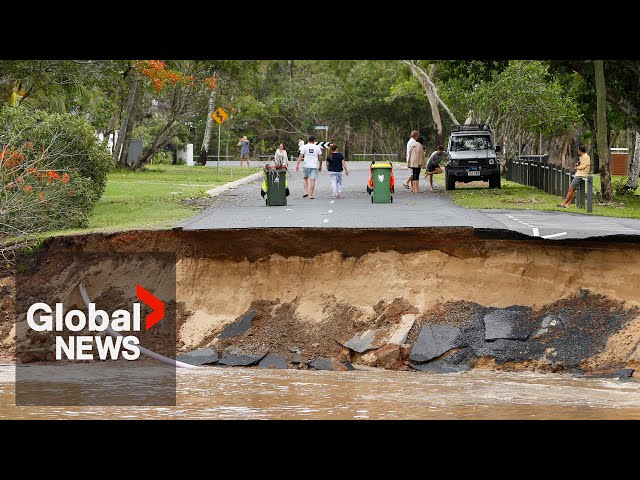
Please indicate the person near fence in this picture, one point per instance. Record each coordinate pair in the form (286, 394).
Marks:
(412, 141)
(312, 155)
(415, 163)
(433, 165)
(336, 164)
(280, 158)
(582, 170)
(244, 150)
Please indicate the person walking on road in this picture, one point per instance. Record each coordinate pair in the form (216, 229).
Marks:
(312, 155)
(582, 170)
(415, 163)
(336, 164)
(412, 141)
(281, 158)
(433, 165)
(244, 150)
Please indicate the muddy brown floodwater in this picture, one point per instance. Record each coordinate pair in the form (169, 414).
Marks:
(238, 393)
(514, 316)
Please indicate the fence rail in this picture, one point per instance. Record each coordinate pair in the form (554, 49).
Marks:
(536, 171)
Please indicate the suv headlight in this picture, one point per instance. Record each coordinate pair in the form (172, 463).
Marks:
(454, 162)
(492, 161)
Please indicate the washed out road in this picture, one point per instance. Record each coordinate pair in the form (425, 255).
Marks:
(243, 207)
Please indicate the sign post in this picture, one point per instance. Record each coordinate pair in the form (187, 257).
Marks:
(326, 130)
(219, 115)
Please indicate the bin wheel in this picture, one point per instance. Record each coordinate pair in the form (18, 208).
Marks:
(391, 199)
(266, 202)
(371, 198)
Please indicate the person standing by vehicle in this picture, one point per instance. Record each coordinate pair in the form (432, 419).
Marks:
(312, 155)
(336, 164)
(433, 165)
(244, 150)
(582, 170)
(415, 163)
(412, 141)
(281, 158)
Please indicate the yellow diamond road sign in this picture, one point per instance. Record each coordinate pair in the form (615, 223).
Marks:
(220, 115)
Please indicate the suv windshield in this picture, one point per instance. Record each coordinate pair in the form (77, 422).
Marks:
(470, 142)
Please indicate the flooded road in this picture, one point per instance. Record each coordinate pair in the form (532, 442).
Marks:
(243, 393)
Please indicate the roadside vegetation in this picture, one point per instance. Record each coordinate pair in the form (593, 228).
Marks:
(515, 196)
(156, 197)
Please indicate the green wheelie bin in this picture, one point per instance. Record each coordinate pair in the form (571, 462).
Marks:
(381, 177)
(276, 183)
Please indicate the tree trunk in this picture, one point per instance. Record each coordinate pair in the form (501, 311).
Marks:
(372, 144)
(125, 118)
(634, 170)
(129, 131)
(111, 127)
(204, 150)
(601, 132)
(431, 92)
(430, 89)
(161, 141)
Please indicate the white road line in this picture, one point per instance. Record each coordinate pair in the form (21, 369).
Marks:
(332, 201)
(330, 211)
(326, 220)
(536, 233)
(554, 235)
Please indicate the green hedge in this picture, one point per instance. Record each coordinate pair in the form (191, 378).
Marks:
(51, 147)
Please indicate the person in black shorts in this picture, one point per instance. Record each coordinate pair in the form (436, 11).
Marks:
(433, 165)
(415, 163)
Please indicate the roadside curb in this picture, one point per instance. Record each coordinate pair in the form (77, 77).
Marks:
(214, 192)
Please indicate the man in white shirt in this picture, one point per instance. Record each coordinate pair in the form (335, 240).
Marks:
(312, 154)
(412, 141)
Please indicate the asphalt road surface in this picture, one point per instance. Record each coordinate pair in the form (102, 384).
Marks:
(244, 207)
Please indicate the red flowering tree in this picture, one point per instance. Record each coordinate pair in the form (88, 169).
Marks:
(52, 172)
(172, 93)
(163, 98)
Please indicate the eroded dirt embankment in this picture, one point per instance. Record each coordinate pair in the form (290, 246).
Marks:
(430, 299)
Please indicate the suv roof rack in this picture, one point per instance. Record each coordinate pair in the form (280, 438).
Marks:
(470, 127)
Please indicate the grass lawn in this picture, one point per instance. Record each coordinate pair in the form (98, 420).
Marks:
(153, 198)
(515, 196)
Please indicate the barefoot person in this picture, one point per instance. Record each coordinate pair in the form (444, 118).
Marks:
(582, 170)
(433, 165)
(415, 163)
(312, 155)
(412, 141)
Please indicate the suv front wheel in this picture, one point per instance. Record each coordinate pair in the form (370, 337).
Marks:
(494, 181)
(450, 181)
